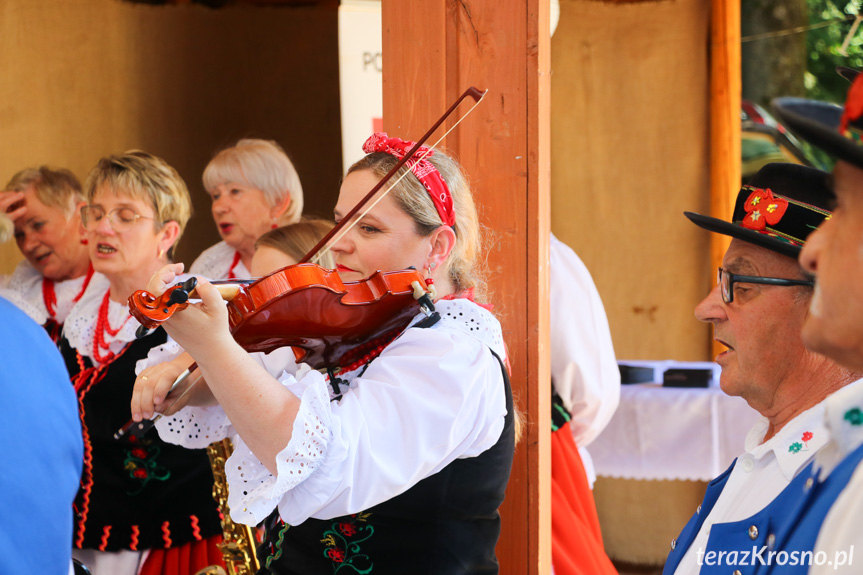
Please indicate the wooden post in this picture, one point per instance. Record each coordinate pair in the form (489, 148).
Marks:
(725, 94)
(432, 52)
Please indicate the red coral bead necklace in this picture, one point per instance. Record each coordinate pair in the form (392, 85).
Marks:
(103, 326)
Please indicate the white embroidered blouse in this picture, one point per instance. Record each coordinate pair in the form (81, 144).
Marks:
(433, 395)
(215, 262)
(24, 289)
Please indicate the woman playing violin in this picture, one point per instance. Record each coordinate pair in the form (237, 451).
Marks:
(254, 188)
(398, 466)
(144, 506)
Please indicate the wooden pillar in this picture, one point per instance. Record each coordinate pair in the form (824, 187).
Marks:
(432, 51)
(725, 94)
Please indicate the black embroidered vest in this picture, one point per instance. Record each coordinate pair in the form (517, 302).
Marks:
(135, 493)
(447, 524)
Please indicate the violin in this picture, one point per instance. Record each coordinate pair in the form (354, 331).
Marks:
(327, 322)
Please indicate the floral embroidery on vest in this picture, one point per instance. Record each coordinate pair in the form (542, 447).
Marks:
(343, 540)
(141, 463)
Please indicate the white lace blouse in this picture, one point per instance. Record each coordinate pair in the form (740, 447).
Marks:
(434, 395)
(215, 262)
(24, 289)
(80, 325)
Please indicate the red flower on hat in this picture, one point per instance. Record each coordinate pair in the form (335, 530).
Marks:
(763, 208)
(853, 104)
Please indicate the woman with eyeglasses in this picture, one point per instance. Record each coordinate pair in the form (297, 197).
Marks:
(397, 462)
(44, 205)
(144, 506)
(254, 188)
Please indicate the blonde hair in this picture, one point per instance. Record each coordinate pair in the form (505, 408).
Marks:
(263, 165)
(143, 176)
(296, 240)
(463, 263)
(57, 188)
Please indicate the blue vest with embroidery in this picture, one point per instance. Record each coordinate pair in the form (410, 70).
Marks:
(778, 538)
(813, 500)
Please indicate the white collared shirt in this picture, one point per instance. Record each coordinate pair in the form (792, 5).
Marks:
(841, 532)
(761, 473)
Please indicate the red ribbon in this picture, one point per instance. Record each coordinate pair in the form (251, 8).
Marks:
(424, 170)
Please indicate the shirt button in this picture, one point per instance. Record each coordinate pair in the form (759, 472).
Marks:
(737, 572)
(747, 464)
(753, 532)
(809, 483)
(673, 544)
(771, 541)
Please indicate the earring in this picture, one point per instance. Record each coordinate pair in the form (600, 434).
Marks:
(84, 241)
(161, 253)
(430, 280)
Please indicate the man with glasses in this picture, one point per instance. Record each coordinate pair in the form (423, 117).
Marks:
(757, 310)
(826, 499)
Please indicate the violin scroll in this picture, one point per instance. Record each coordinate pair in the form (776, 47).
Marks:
(150, 311)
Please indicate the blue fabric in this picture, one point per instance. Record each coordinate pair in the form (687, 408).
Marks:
(687, 536)
(745, 542)
(41, 449)
(776, 539)
(797, 534)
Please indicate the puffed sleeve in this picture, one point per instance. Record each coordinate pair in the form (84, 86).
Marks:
(197, 427)
(583, 366)
(433, 395)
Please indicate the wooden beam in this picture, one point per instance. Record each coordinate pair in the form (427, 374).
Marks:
(725, 94)
(432, 52)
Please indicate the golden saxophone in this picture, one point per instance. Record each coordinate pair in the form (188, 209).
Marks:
(238, 541)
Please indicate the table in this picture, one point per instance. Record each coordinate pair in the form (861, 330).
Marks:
(672, 433)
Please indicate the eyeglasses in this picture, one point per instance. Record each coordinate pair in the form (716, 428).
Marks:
(726, 281)
(121, 219)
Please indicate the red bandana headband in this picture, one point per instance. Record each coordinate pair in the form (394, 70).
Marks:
(424, 170)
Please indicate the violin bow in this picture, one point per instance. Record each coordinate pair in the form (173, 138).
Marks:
(349, 221)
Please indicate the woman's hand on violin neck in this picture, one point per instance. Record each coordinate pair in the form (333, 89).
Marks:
(164, 278)
(202, 329)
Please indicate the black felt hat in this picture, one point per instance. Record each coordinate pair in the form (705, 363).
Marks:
(837, 131)
(849, 74)
(779, 207)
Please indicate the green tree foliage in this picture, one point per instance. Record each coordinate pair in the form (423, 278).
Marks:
(830, 22)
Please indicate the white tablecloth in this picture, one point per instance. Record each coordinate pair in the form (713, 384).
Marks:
(672, 433)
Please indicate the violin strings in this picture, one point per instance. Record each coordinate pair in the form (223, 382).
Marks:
(317, 257)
